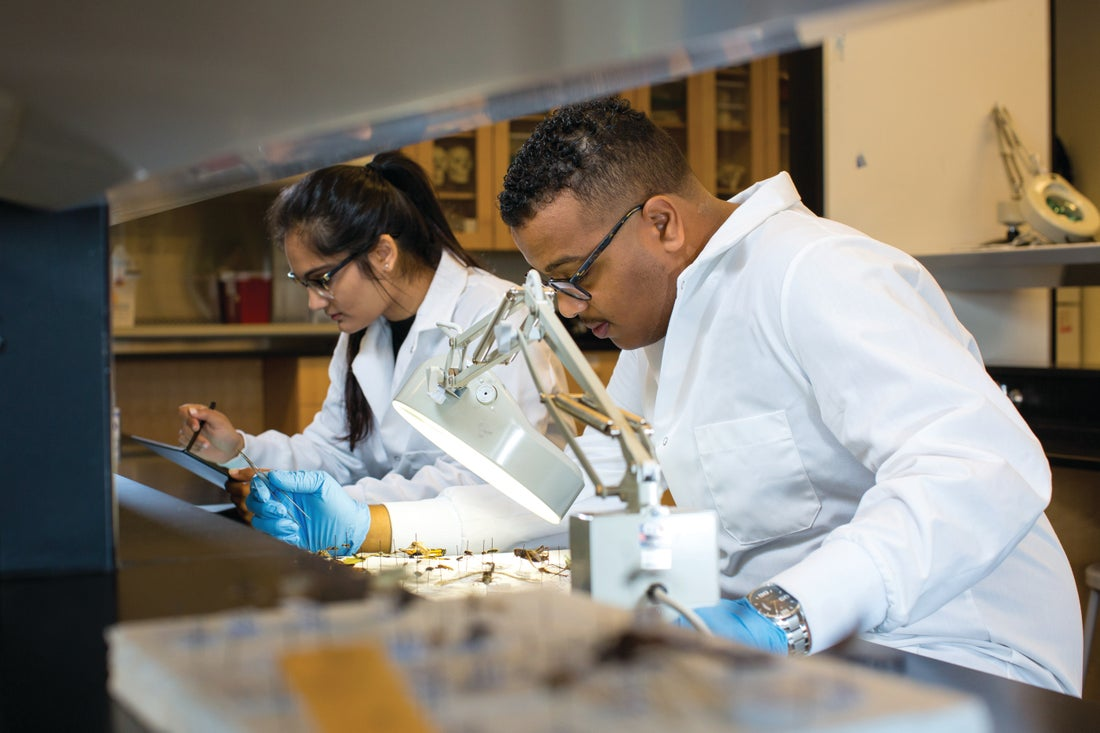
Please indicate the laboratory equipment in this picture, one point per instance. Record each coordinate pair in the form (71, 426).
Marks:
(617, 556)
(1045, 207)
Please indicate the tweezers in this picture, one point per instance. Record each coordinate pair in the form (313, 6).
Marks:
(272, 489)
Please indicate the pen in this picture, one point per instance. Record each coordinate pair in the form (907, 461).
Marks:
(199, 430)
(272, 489)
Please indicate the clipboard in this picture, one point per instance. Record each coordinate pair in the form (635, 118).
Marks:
(212, 472)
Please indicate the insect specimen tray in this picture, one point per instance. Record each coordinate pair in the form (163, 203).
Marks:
(434, 574)
(534, 661)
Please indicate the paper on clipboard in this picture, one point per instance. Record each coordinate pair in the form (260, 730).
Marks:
(212, 472)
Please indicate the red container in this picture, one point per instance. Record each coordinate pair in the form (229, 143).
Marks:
(245, 297)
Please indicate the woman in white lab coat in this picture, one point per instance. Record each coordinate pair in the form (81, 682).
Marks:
(372, 247)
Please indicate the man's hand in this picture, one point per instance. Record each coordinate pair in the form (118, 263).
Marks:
(738, 620)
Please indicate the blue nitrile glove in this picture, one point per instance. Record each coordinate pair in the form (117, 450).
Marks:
(269, 516)
(308, 509)
(738, 620)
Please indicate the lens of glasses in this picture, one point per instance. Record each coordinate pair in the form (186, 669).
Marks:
(567, 288)
(317, 286)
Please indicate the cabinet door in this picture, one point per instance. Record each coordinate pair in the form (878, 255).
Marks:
(508, 137)
(726, 121)
(460, 166)
(669, 108)
(745, 119)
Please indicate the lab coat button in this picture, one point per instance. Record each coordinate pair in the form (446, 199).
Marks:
(664, 441)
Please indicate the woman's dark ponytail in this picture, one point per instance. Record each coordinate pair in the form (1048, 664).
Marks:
(411, 180)
(343, 209)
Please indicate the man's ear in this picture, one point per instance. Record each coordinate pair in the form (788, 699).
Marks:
(665, 222)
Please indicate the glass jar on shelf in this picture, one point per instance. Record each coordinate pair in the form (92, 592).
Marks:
(509, 138)
(459, 166)
(668, 108)
(733, 129)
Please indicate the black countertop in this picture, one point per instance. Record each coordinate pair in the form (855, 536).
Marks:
(175, 559)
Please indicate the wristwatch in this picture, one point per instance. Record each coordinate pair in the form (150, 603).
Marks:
(785, 611)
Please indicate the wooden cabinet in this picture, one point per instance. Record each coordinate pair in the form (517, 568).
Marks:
(462, 168)
(294, 389)
(727, 122)
(730, 123)
(508, 137)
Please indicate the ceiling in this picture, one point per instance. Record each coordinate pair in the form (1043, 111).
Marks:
(151, 105)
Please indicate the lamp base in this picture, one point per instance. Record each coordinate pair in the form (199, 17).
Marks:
(615, 560)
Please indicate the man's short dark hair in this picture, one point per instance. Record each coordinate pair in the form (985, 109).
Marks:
(606, 154)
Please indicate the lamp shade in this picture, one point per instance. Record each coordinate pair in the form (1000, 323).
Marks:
(484, 429)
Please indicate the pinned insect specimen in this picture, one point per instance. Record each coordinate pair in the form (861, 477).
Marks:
(418, 549)
(535, 556)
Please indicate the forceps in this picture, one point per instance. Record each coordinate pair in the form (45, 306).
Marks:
(272, 489)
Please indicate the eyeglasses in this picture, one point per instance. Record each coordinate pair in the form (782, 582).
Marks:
(323, 285)
(569, 286)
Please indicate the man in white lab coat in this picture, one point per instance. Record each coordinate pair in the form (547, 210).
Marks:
(814, 388)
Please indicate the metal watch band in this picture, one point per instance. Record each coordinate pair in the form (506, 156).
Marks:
(784, 609)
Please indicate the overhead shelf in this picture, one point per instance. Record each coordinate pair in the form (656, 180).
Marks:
(223, 338)
(1010, 268)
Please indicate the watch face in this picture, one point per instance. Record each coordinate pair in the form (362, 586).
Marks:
(777, 604)
(770, 601)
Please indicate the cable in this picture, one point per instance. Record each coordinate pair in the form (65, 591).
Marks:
(658, 594)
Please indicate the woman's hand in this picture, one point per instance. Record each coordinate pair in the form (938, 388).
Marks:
(218, 441)
(237, 486)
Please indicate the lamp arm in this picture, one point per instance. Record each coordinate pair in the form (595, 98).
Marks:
(498, 341)
(561, 418)
(641, 485)
(460, 370)
(1016, 157)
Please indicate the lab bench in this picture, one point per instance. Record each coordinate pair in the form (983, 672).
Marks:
(175, 559)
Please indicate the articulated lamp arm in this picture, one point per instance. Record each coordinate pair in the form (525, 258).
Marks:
(1045, 207)
(499, 340)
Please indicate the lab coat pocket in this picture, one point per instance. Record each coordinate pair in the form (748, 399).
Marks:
(755, 476)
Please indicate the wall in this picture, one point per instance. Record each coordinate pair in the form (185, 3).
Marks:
(913, 99)
(911, 152)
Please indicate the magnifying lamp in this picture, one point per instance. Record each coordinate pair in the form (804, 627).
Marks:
(1045, 207)
(457, 403)
(482, 426)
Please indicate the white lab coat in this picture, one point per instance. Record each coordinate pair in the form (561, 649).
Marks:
(429, 496)
(816, 390)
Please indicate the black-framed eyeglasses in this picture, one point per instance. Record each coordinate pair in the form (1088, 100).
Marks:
(322, 285)
(568, 286)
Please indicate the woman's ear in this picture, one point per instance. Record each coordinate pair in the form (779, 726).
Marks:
(383, 258)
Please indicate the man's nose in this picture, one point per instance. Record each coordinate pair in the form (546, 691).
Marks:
(570, 307)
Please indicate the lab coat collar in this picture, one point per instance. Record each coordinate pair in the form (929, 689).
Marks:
(381, 378)
(754, 205)
(447, 284)
(446, 288)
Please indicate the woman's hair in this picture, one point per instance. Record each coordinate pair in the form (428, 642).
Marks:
(606, 154)
(345, 209)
